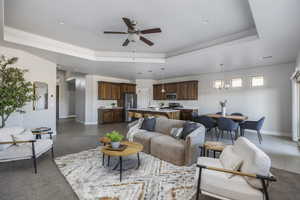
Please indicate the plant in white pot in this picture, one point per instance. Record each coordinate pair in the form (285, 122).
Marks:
(115, 138)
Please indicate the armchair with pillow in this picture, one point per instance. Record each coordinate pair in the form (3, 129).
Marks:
(20, 144)
(242, 172)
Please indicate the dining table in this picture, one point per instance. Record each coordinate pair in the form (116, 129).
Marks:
(233, 117)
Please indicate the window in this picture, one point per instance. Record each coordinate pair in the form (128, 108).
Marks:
(257, 81)
(236, 82)
(218, 84)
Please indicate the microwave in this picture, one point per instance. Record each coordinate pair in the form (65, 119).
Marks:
(171, 96)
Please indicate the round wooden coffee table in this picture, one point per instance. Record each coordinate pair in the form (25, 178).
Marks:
(132, 148)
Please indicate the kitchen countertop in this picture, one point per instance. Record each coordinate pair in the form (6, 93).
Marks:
(109, 108)
(186, 108)
(153, 110)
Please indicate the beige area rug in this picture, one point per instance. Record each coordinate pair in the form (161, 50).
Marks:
(155, 179)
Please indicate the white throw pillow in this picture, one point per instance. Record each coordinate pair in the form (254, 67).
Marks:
(176, 133)
(5, 135)
(230, 160)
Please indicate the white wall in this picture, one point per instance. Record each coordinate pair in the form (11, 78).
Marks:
(296, 103)
(39, 70)
(272, 100)
(80, 95)
(144, 89)
(92, 102)
(66, 96)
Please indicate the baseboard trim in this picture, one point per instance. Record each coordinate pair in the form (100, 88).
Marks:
(266, 132)
(67, 116)
(90, 123)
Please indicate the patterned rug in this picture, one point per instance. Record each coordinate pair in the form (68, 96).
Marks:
(155, 179)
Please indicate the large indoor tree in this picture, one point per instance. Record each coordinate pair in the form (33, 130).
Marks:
(15, 91)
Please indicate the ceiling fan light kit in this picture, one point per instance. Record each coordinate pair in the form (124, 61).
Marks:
(134, 34)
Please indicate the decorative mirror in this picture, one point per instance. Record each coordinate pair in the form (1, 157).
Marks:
(40, 91)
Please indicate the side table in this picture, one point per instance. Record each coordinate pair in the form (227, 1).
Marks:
(212, 146)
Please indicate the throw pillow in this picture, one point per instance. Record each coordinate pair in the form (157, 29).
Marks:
(230, 160)
(149, 124)
(5, 135)
(176, 133)
(188, 127)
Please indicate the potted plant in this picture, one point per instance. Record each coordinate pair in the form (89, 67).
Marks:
(223, 107)
(113, 105)
(15, 91)
(115, 138)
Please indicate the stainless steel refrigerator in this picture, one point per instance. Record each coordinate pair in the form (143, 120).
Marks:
(130, 101)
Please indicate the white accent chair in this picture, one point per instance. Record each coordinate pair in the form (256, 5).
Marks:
(20, 144)
(248, 181)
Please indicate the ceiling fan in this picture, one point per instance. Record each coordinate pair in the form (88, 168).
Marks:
(134, 34)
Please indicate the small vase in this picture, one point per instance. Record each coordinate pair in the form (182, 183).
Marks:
(223, 111)
(115, 145)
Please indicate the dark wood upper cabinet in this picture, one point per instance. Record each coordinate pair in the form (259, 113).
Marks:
(187, 90)
(108, 91)
(157, 94)
(171, 87)
(128, 88)
(182, 89)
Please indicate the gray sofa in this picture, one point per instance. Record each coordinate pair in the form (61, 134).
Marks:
(161, 145)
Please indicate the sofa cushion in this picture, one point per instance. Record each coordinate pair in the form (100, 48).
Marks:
(24, 151)
(144, 137)
(230, 160)
(169, 149)
(148, 124)
(176, 133)
(165, 125)
(255, 161)
(217, 183)
(188, 127)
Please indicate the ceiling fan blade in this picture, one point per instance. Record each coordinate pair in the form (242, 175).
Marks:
(152, 30)
(125, 43)
(128, 23)
(146, 41)
(114, 32)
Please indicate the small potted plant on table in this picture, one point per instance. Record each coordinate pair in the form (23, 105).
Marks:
(115, 138)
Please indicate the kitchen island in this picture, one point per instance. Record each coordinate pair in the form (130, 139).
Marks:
(146, 112)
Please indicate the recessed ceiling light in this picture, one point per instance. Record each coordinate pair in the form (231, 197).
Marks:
(267, 57)
(61, 23)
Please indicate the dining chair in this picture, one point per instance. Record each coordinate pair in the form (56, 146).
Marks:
(208, 122)
(253, 125)
(238, 121)
(195, 116)
(228, 125)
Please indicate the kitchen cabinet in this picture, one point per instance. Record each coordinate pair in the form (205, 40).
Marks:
(157, 94)
(128, 88)
(108, 91)
(186, 114)
(187, 90)
(113, 115)
(170, 87)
